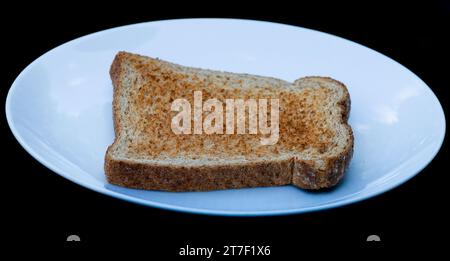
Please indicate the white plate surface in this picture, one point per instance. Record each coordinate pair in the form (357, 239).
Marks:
(59, 107)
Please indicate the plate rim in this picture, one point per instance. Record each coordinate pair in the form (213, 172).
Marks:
(368, 193)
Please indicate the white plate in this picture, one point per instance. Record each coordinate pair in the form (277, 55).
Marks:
(59, 107)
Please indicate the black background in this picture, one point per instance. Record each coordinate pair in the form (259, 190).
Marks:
(43, 208)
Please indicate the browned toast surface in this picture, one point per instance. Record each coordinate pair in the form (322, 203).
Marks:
(314, 146)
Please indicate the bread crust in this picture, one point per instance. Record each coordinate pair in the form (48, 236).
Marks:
(305, 175)
(302, 173)
(202, 178)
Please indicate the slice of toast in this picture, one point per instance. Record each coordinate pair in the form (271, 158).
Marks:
(313, 150)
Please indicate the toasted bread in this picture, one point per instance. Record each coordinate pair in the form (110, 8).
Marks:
(313, 151)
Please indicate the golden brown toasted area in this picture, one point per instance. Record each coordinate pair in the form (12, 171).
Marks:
(314, 148)
(302, 123)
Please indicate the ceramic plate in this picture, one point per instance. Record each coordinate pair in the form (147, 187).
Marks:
(59, 107)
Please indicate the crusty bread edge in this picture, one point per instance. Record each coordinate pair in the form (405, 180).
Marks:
(305, 174)
(301, 173)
